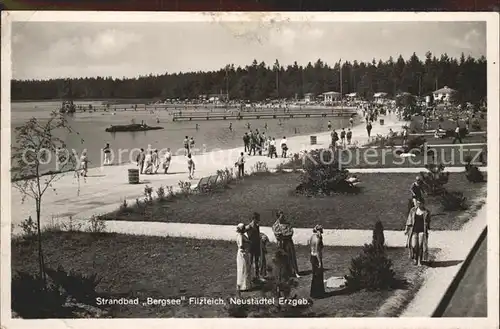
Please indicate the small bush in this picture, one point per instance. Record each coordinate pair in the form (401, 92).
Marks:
(71, 225)
(260, 167)
(476, 126)
(416, 143)
(96, 225)
(435, 178)
(453, 201)
(372, 269)
(160, 192)
(31, 299)
(323, 176)
(29, 227)
(79, 286)
(123, 206)
(378, 239)
(148, 193)
(185, 188)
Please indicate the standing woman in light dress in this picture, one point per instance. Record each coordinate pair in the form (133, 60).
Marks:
(243, 266)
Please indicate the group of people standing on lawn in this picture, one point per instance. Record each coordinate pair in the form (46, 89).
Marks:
(252, 252)
(343, 140)
(259, 143)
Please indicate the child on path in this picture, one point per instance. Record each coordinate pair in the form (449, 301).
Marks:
(155, 161)
(191, 166)
(148, 163)
(186, 145)
(140, 160)
(84, 163)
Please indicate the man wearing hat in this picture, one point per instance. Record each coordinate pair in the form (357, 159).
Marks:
(417, 190)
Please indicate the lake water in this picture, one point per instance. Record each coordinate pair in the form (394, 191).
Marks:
(211, 134)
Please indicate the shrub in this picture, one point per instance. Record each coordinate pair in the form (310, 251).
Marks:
(416, 143)
(79, 286)
(148, 193)
(71, 225)
(476, 125)
(260, 167)
(185, 187)
(31, 299)
(123, 206)
(378, 239)
(160, 192)
(323, 176)
(29, 227)
(453, 201)
(372, 269)
(96, 225)
(435, 179)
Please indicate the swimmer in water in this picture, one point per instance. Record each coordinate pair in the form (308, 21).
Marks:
(231, 126)
(265, 126)
(157, 120)
(197, 126)
(248, 125)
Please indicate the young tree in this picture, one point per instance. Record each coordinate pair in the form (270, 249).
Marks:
(36, 146)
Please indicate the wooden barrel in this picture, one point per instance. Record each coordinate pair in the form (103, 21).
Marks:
(381, 122)
(133, 176)
(314, 140)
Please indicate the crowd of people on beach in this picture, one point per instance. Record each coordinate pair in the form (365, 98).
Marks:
(258, 143)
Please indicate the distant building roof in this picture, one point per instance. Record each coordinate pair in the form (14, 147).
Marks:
(331, 93)
(381, 94)
(445, 90)
(308, 94)
(352, 95)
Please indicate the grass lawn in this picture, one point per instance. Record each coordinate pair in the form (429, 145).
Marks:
(383, 196)
(158, 267)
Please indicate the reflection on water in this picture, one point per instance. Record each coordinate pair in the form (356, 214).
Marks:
(214, 134)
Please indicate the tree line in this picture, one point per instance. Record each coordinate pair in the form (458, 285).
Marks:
(260, 81)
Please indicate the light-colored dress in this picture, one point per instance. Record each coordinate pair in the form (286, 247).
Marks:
(243, 265)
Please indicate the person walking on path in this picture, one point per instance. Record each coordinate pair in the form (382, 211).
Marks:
(84, 163)
(141, 157)
(191, 166)
(349, 136)
(316, 244)
(284, 147)
(191, 144)
(186, 145)
(240, 163)
(351, 122)
(272, 148)
(369, 128)
(167, 160)
(148, 163)
(107, 154)
(417, 232)
(253, 143)
(342, 137)
(253, 232)
(246, 142)
(335, 138)
(458, 136)
(283, 232)
(243, 264)
(155, 160)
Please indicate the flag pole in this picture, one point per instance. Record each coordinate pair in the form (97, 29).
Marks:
(341, 95)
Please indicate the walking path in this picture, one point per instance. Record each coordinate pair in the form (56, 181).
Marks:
(440, 239)
(106, 187)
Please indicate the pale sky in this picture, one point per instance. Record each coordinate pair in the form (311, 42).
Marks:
(42, 50)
